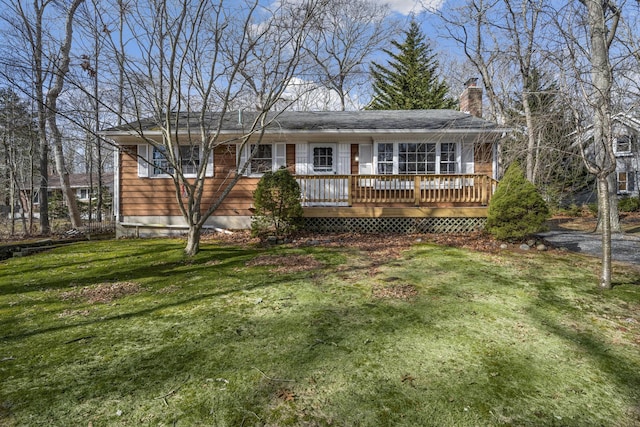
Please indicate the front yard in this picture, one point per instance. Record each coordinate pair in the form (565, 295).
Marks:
(395, 331)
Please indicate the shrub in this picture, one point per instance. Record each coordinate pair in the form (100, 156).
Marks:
(629, 204)
(517, 209)
(277, 205)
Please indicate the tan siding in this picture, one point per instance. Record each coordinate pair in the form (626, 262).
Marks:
(157, 197)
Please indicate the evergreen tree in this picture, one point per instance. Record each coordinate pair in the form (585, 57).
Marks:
(516, 210)
(410, 80)
(277, 204)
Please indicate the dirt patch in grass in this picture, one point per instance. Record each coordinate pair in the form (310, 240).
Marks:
(72, 313)
(102, 292)
(403, 292)
(286, 264)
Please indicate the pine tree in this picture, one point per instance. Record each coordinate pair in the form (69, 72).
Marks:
(410, 80)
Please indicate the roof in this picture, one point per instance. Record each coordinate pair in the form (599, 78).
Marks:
(622, 118)
(330, 121)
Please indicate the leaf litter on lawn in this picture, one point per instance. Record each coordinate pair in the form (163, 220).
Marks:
(102, 292)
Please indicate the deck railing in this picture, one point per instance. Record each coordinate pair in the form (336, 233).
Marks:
(417, 190)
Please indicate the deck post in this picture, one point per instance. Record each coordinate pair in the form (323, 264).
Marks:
(350, 190)
(416, 190)
(485, 190)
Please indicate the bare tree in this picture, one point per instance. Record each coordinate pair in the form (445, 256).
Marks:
(588, 39)
(17, 141)
(471, 26)
(46, 66)
(196, 61)
(342, 40)
(522, 25)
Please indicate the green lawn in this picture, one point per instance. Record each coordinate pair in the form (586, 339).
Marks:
(132, 333)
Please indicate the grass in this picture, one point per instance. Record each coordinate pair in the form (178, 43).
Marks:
(132, 333)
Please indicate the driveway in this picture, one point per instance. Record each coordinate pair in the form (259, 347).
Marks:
(624, 247)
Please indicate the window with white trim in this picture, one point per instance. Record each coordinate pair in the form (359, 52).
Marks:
(153, 161)
(412, 158)
(385, 159)
(417, 158)
(190, 159)
(624, 143)
(161, 165)
(267, 157)
(262, 160)
(448, 158)
(322, 159)
(625, 182)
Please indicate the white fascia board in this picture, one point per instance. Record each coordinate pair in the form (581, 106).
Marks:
(135, 137)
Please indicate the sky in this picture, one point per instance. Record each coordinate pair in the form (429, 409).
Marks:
(405, 7)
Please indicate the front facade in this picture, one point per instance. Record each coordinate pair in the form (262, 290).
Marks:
(358, 171)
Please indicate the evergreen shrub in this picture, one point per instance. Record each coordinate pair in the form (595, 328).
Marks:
(278, 211)
(629, 204)
(517, 209)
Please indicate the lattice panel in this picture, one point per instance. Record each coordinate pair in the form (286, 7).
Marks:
(395, 225)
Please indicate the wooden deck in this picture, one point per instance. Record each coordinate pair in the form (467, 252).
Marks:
(396, 196)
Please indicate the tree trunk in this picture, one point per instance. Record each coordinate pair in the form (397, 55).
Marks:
(67, 193)
(52, 112)
(603, 196)
(193, 240)
(531, 138)
(614, 215)
(45, 226)
(601, 37)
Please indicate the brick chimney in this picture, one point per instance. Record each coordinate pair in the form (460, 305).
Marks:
(471, 98)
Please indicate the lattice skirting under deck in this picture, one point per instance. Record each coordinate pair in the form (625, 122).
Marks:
(395, 225)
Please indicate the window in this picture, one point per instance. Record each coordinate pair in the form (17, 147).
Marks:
(83, 193)
(623, 181)
(262, 160)
(189, 159)
(385, 159)
(153, 162)
(161, 165)
(623, 143)
(413, 158)
(323, 159)
(256, 159)
(448, 156)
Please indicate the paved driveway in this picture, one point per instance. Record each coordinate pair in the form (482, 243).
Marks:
(624, 247)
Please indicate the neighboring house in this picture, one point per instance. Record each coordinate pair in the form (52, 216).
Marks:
(626, 149)
(81, 183)
(419, 170)
(627, 152)
(84, 185)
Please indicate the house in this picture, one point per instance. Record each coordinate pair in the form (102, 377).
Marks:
(82, 184)
(417, 170)
(626, 149)
(627, 153)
